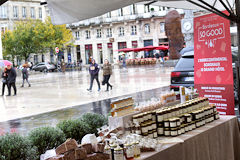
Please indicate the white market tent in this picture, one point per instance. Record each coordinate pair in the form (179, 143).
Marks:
(70, 11)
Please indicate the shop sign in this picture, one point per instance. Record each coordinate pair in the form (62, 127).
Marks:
(213, 73)
(99, 46)
(134, 43)
(109, 45)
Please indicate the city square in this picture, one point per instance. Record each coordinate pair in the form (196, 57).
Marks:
(120, 80)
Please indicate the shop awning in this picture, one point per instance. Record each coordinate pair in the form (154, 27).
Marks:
(70, 11)
(125, 50)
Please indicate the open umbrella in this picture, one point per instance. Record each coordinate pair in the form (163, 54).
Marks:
(4, 63)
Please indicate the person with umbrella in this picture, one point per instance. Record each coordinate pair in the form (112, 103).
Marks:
(12, 74)
(4, 80)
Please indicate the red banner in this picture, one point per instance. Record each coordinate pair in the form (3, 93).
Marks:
(213, 73)
(134, 43)
(99, 46)
(109, 45)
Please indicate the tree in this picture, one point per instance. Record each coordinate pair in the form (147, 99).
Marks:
(35, 36)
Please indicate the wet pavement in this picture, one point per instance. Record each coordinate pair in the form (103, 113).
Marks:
(56, 96)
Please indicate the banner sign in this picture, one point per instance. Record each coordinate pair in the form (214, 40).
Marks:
(213, 73)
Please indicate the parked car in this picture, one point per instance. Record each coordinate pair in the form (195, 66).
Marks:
(183, 73)
(44, 67)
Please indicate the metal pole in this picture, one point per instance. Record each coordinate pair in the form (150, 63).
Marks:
(238, 35)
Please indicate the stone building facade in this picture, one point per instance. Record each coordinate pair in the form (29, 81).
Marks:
(129, 27)
(21, 10)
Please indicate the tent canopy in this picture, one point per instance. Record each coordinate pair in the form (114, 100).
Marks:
(70, 11)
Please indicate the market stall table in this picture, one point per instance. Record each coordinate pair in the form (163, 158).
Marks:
(219, 140)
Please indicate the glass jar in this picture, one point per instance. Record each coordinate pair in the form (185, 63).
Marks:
(137, 151)
(144, 128)
(178, 122)
(174, 132)
(155, 133)
(172, 122)
(118, 153)
(160, 116)
(166, 124)
(138, 129)
(160, 131)
(150, 134)
(153, 115)
(186, 128)
(129, 152)
(135, 119)
(154, 125)
(166, 132)
(182, 129)
(188, 118)
(179, 130)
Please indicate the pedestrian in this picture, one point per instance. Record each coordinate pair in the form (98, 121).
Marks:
(124, 61)
(25, 75)
(63, 66)
(80, 62)
(107, 72)
(11, 80)
(162, 54)
(94, 70)
(4, 80)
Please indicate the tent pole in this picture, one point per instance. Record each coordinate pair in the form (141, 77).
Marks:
(238, 36)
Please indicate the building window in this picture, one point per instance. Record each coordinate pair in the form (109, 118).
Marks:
(133, 9)
(99, 33)
(109, 32)
(88, 34)
(147, 28)
(3, 12)
(35, 57)
(15, 12)
(120, 12)
(133, 30)
(162, 27)
(32, 12)
(109, 15)
(121, 31)
(146, 8)
(40, 12)
(77, 35)
(24, 12)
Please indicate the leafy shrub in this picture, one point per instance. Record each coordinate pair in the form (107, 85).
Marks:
(46, 138)
(16, 147)
(94, 121)
(75, 129)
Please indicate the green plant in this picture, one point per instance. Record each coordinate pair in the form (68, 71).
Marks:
(152, 9)
(46, 138)
(16, 147)
(94, 121)
(75, 129)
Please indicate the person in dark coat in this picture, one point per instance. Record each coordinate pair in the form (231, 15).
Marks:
(4, 80)
(12, 74)
(107, 72)
(25, 75)
(94, 70)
